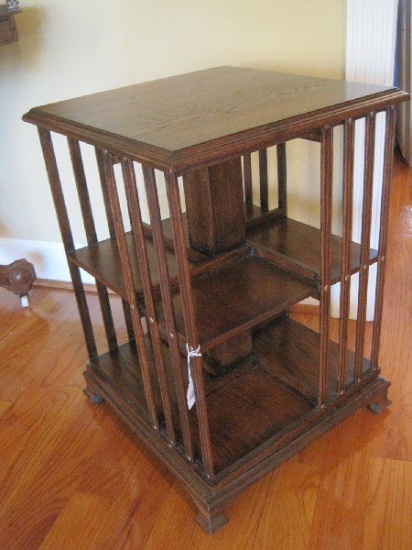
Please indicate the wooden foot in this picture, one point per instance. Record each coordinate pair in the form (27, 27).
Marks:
(211, 520)
(94, 397)
(380, 404)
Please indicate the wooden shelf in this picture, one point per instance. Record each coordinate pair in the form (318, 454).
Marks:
(240, 296)
(289, 351)
(253, 399)
(292, 245)
(296, 246)
(120, 371)
(102, 260)
(247, 412)
(275, 391)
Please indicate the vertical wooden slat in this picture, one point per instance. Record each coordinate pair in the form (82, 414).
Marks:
(102, 291)
(189, 320)
(325, 237)
(101, 166)
(383, 236)
(127, 273)
(263, 177)
(365, 242)
(82, 190)
(128, 320)
(65, 230)
(347, 208)
(90, 229)
(141, 253)
(247, 178)
(282, 178)
(110, 224)
(167, 303)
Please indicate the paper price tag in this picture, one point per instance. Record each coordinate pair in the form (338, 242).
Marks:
(190, 396)
(191, 399)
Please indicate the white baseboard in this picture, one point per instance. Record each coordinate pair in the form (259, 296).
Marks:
(48, 258)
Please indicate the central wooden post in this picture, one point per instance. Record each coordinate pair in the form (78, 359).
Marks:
(216, 224)
(214, 206)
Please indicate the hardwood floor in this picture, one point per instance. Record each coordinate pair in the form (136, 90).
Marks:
(74, 477)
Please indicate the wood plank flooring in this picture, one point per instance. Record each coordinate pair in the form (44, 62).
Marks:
(72, 476)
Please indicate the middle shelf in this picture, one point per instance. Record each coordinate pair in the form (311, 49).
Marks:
(233, 292)
(239, 296)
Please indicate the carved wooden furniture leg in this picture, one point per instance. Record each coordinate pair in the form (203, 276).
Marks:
(18, 277)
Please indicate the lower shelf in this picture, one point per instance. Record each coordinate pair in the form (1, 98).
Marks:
(290, 352)
(257, 402)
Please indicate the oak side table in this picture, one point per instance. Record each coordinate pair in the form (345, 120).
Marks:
(224, 385)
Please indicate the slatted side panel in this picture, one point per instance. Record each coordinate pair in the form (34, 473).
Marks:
(91, 236)
(103, 295)
(167, 310)
(263, 184)
(66, 233)
(195, 363)
(107, 172)
(383, 236)
(140, 245)
(365, 243)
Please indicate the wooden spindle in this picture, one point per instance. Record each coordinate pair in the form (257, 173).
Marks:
(325, 245)
(141, 252)
(189, 320)
(67, 238)
(128, 319)
(110, 224)
(127, 273)
(82, 190)
(102, 291)
(263, 177)
(167, 305)
(91, 235)
(247, 178)
(383, 235)
(365, 242)
(282, 178)
(347, 209)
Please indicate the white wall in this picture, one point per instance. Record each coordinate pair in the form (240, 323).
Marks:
(67, 49)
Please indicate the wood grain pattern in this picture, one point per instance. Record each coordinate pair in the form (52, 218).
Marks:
(72, 476)
(234, 105)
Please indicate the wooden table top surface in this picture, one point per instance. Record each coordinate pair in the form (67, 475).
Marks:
(171, 120)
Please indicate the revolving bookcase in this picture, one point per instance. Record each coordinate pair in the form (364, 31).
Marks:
(219, 381)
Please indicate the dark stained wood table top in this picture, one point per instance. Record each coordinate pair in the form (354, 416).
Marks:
(190, 119)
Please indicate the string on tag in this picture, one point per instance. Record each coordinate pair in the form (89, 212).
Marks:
(191, 398)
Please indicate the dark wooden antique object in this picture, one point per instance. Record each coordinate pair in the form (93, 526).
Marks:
(216, 274)
(18, 277)
(8, 28)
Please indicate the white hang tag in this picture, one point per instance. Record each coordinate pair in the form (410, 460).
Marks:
(191, 398)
